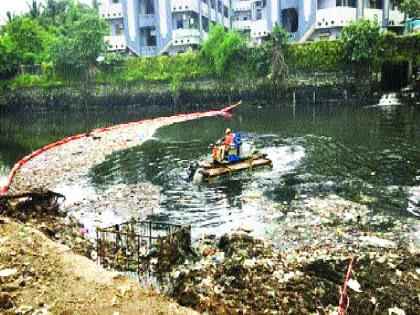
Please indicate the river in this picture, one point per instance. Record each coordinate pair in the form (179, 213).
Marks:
(367, 155)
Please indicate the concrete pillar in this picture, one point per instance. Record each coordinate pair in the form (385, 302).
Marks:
(360, 8)
(200, 20)
(385, 14)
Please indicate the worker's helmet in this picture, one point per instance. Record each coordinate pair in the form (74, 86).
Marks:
(228, 130)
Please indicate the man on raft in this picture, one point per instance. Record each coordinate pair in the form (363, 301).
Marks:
(229, 148)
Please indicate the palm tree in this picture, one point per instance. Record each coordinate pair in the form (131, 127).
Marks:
(9, 16)
(34, 9)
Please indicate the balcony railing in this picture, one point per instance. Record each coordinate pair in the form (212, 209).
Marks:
(185, 37)
(241, 6)
(396, 18)
(147, 20)
(185, 5)
(111, 11)
(259, 29)
(116, 42)
(241, 25)
(334, 17)
(373, 14)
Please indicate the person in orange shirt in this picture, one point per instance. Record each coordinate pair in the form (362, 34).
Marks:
(228, 137)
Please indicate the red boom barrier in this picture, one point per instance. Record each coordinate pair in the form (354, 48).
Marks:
(26, 159)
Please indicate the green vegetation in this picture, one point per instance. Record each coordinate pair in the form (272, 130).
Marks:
(224, 52)
(315, 56)
(360, 44)
(411, 8)
(64, 40)
(63, 34)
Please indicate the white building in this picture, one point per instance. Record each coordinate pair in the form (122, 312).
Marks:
(153, 27)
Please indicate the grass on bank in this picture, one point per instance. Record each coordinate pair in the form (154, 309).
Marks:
(318, 56)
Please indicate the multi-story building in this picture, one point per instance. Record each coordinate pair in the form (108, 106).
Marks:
(311, 19)
(152, 27)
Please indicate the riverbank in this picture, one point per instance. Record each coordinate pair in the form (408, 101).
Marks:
(197, 93)
(39, 276)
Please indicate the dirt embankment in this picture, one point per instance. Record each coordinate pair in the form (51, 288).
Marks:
(40, 276)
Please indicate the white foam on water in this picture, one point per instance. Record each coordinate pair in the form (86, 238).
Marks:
(76, 193)
(285, 159)
(414, 201)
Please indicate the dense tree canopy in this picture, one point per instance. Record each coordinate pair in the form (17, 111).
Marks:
(360, 43)
(411, 8)
(27, 37)
(79, 42)
(67, 34)
(223, 51)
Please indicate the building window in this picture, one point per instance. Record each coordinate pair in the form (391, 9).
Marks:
(226, 11)
(219, 6)
(147, 7)
(374, 4)
(179, 24)
(258, 15)
(290, 19)
(205, 23)
(148, 37)
(394, 4)
(346, 3)
(119, 29)
(213, 4)
(115, 1)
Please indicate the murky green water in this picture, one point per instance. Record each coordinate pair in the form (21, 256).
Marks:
(369, 155)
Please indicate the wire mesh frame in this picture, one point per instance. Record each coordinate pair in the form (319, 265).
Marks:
(137, 246)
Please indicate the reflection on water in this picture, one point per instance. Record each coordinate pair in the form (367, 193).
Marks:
(367, 155)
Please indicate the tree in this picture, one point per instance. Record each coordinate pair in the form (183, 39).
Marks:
(276, 45)
(80, 42)
(54, 12)
(359, 43)
(9, 16)
(95, 5)
(8, 58)
(411, 8)
(27, 37)
(223, 52)
(34, 9)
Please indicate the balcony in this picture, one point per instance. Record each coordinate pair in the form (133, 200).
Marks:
(334, 17)
(147, 20)
(241, 25)
(116, 42)
(111, 11)
(259, 29)
(241, 6)
(185, 37)
(185, 5)
(373, 14)
(396, 18)
(148, 51)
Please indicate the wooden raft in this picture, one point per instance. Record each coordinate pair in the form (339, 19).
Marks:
(217, 170)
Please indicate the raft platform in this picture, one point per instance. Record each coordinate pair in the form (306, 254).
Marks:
(213, 170)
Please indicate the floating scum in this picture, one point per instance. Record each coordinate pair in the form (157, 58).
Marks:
(71, 158)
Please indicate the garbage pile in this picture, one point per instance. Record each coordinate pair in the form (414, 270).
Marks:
(241, 274)
(41, 209)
